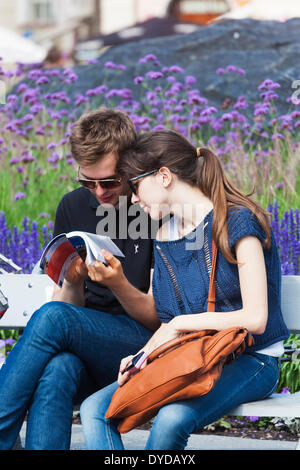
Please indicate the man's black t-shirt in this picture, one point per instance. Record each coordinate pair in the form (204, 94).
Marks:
(77, 211)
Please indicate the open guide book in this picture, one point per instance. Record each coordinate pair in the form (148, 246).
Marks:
(64, 248)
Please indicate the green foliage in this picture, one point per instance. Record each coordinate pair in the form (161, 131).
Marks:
(290, 371)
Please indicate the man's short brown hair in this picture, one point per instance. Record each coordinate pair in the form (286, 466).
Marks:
(99, 132)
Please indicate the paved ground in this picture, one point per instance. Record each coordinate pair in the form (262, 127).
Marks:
(135, 440)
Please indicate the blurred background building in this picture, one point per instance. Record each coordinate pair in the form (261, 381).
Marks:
(56, 26)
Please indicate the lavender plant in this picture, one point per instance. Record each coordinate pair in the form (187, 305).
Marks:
(23, 246)
(255, 142)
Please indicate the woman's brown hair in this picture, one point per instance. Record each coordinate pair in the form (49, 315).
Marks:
(170, 149)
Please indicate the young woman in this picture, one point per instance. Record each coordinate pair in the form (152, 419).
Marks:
(169, 176)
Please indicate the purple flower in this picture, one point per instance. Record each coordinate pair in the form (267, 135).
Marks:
(268, 84)
(40, 131)
(19, 196)
(54, 157)
(261, 108)
(110, 65)
(277, 135)
(147, 58)
(70, 161)
(27, 158)
(208, 111)
(220, 71)
(10, 341)
(285, 390)
(241, 71)
(22, 88)
(227, 117)
(154, 75)
(189, 79)
(14, 160)
(231, 68)
(42, 80)
(91, 61)
(52, 145)
(138, 80)
(34, 74)
(28, 117)
(176, 69)
(253, 418)
(80, 99)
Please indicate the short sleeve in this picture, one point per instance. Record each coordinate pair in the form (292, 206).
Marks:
(61, 220)
(242, 223)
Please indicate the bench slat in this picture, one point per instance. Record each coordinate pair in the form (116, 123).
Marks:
(290, 301)
(278, 404)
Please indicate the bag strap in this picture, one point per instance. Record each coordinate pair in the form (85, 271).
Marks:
(211, 299)
(173, 343)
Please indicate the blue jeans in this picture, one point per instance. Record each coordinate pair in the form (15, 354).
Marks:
(251, 377)
(65, 354)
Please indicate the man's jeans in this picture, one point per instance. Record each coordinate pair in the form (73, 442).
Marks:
(65, 353)
(251, 377)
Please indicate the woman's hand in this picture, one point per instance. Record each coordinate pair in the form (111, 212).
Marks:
(166, 332)
(111, 275)
(124, 376)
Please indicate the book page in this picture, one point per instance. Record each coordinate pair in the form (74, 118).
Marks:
(94, 244)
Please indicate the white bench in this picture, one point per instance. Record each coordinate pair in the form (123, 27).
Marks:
(280, 405)
(28, 292)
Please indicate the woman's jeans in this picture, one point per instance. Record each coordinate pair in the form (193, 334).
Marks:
(65, 354)
(251, 377)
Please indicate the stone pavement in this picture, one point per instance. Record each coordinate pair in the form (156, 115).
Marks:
(136, 439)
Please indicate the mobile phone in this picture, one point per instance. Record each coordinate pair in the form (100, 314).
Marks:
(136, 363)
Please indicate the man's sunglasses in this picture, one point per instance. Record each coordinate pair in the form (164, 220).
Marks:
(134, 183)
(106, 183)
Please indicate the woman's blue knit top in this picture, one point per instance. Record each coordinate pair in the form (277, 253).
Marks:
(182, 272)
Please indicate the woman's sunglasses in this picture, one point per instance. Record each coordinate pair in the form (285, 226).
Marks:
(106, 183)
(134, 182)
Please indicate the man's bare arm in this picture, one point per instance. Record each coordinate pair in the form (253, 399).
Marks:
(139, 305)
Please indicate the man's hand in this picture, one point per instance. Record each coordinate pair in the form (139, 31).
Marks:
(111, 275)
(77, 271)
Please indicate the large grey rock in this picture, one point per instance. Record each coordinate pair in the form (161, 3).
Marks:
(265, 49)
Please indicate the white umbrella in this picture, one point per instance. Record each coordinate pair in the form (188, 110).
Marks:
(15, 48)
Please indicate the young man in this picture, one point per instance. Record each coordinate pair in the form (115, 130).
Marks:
(73, 345)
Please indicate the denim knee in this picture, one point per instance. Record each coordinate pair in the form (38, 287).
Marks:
(51, 319)
(63, 365)
(170, 430)
(89, 409)
(96, 405)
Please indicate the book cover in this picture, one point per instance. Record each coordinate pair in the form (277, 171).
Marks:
(64, 248)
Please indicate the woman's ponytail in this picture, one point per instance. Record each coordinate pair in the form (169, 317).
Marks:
(214, 184)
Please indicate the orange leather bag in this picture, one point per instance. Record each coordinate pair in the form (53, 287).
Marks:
(183, 368)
